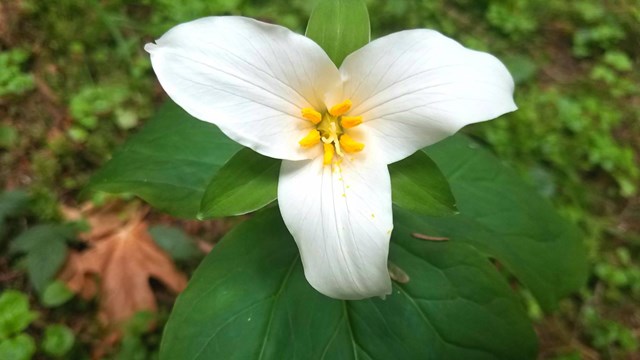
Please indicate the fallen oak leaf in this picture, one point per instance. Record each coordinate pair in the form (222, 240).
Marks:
(124, 260)
(136, 258)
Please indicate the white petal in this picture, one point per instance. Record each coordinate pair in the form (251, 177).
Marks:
(416, 87)
(249, 78)
(341, 220)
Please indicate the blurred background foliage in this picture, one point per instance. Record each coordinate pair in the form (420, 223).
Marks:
(75, 81)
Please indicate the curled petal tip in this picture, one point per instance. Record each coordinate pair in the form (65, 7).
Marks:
(150, 47)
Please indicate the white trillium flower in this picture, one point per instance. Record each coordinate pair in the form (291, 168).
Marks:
(336, 130)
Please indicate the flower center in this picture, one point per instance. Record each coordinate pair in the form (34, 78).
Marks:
(330, 129)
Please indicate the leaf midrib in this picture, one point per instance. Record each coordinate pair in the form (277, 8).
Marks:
(274, 303)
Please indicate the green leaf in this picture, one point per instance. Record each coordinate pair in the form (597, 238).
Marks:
(56, 294)
(169, 163)
(246, 183)
(140, 323)
(340, 27)
(505, 218)
(58, 340)
(44, 262)
(249, 300)
(418, 185)
(12, 203)
(175, 242)
(133, 346)
(521, 67)
(45, 247)
(21, 347)
(33, 238)
(15, 315)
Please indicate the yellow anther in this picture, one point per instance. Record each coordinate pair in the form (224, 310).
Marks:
(341, 108)
(312, 138)
(349, 145)
(312, 115)
(328, 153)
(351, 121)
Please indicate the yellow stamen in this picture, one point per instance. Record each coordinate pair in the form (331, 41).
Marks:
(312, 115)
(341, 108)
(312, 138)
(350, 145)
(351, 121)
(328, 153)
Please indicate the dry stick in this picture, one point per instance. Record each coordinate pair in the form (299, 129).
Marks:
(427, 237)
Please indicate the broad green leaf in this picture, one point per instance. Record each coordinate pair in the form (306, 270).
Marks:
(505, 218)
(249, 300)
(169, 163)
(247, 182)
(45, 249)
(340, 27)
(21, 347)
(56, 294)
(15, 315)
(58, 340)
(418, 185)
(175, 242)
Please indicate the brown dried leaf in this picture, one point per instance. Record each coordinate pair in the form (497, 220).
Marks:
(123, 257)
(78, 276)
